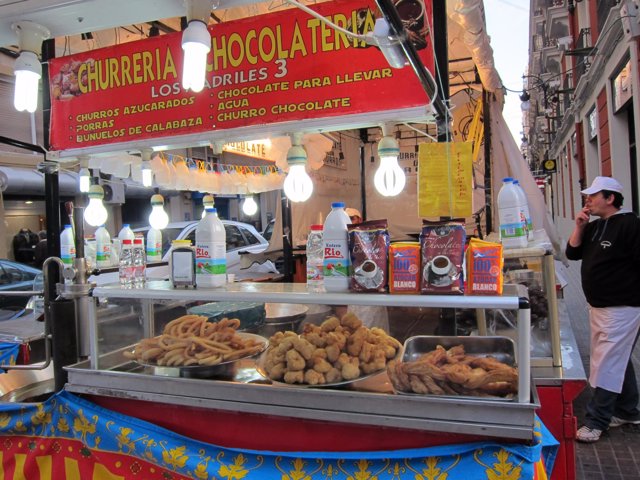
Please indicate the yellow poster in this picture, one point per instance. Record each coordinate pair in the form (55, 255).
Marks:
(445, 180)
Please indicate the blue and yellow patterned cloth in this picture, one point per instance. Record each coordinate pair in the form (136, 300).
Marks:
(118, 443)
(8, 353)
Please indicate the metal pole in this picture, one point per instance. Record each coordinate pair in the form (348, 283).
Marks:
(364, 139)
(486, 115)
(287, 249)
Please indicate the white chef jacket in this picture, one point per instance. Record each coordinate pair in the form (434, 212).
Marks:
(613, 330)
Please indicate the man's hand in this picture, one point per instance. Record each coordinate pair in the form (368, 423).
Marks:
(582, 219)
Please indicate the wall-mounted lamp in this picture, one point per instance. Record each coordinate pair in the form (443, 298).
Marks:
(249, 206)
(147, 172)
(525, 99)
(27, 68)
(389, 179)
(158, 218)
(196, 44)
(95, 214)
(298, 186)
(389, 44)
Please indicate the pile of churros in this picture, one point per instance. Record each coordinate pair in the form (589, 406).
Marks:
(191, 340)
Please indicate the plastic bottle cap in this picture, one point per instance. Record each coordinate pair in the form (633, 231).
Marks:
(125, 225)
(67, 226)
(316, 227)
(507, 179)
(211, 209)
(337, 205)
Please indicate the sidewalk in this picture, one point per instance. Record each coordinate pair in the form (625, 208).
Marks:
(617, 455)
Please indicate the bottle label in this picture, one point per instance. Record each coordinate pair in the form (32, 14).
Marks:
(336, 259)
(67, 254)
(211, 258)
(103, 254)
(512, 223)
(314, 272)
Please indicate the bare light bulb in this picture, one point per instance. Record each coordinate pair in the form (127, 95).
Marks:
(147, 174)
(158, 218)
(95, 214)
(389, 179)
(249, 207)
(196, 44)
(298, 186)
(27, 71)
(84, 180)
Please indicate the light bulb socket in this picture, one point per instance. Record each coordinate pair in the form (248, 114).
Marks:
(208, 201)
(96, 191)
(297, 155)
(196, 32)
(30, 35)
(388, 147)
(157, 199)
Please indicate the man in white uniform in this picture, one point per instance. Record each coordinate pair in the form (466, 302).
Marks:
(609, 248)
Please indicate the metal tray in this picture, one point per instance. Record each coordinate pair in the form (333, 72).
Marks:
(500, 348)
(224, 370)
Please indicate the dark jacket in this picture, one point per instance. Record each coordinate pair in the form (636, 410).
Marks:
(610, 253)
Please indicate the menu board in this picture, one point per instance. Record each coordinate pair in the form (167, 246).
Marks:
(286, 66)
(445, 180)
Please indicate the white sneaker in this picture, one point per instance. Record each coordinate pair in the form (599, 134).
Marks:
(618, 422)
(588, 435)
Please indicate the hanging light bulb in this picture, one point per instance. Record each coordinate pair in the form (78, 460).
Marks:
(95, 214)
(27, 68)
(389, 179)
(207, 202)
(298, 186)
(147, 173)
(196, 43)
(84, 180)
(158, 218)
(249, 206)
(84, 177)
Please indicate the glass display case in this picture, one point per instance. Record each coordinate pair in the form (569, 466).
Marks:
(142, 313)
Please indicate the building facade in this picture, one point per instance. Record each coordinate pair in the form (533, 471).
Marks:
(583, 73)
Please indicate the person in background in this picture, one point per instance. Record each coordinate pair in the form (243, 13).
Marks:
(609, 248)
(354, 215)
(371, 316)
(41, 252)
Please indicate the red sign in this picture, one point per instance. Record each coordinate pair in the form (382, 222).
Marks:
(280, 67)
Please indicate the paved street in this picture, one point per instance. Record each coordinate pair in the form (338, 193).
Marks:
(617, 455)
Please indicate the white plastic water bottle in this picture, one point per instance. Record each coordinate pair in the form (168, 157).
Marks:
(154, 245)
(211, 251)
(335, 246)
(139, 263)
(126, 233)
(125, 264)
(512, 222)
(524, 205)
(315, 258)
(103, 247)
(67, 246)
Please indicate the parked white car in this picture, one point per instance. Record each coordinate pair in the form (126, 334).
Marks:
(241, 237)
